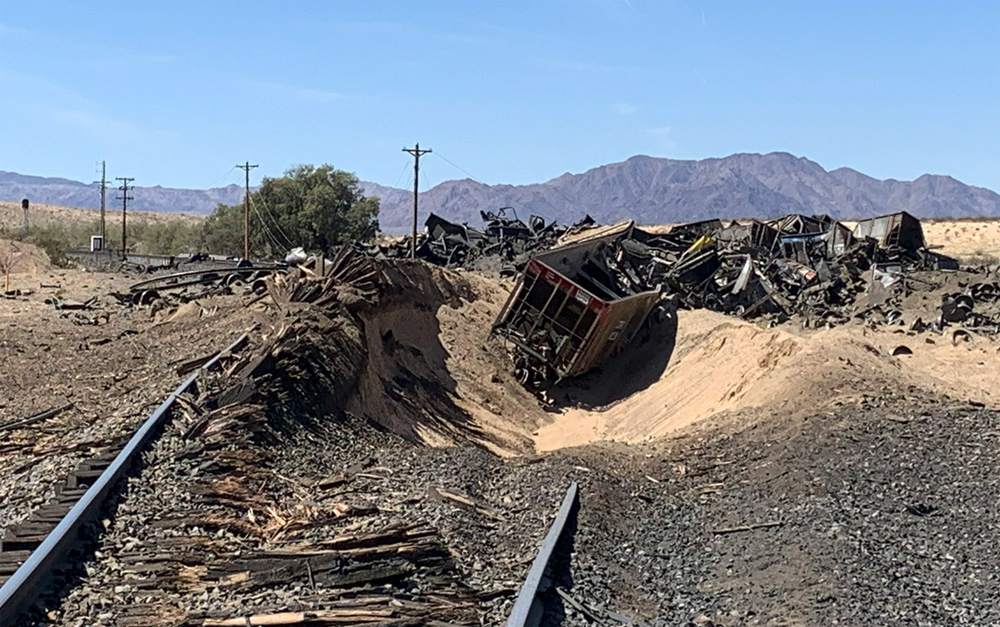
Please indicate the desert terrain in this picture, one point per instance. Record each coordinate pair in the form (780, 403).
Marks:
(12, 216)
(731, 472)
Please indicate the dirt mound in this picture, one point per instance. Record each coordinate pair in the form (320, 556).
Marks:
(423, 366)
(722, 366)
(23, 258)
(411, 355)
(430, 373)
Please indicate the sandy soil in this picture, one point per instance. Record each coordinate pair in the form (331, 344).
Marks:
(17, 258)
(722, 366)
(12, 216)
(972, 241)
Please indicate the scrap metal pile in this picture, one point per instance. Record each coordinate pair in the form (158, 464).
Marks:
(976, 308)
(797, 264)
(503, 237)
(575, 306)
(813, 266)
(207, 280)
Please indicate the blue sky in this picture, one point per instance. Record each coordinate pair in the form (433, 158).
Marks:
(175, 93)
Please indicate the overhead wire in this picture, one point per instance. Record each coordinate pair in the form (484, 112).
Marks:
(267, 230)
(428, 188)
(277, 225)
(222, 178)
(401, 173)
(476, 179)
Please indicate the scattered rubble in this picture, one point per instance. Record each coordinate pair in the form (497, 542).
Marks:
(504, 238)
(577, 305)
(272, 501)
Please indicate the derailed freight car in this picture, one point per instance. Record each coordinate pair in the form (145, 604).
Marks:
(566, 316)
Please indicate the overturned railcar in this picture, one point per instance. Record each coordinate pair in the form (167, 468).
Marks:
(565, 316)
(896, 229)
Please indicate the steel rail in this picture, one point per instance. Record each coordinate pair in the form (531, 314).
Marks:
(222, 272)
(527, 610)
(22, 589)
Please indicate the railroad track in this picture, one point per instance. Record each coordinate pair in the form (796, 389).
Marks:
(35, 550)
(530, 604)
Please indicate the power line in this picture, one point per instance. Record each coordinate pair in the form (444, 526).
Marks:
(246, 210)
(416, 152)
(505, 196)
(430, 203)
(274, 238)
(400, 177)
(267, 230)
(460, 168)
(124, 198)
(223, 177)
(476, 179)
(274, 220)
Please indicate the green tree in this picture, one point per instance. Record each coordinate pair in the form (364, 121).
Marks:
(170, 237)
(313, 207)
(222, 232)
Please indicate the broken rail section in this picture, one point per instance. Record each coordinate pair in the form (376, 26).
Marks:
(22, 589)
(529, 606)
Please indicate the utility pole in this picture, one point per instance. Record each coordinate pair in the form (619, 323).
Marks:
(124, 198)
(104, 183)
(246, 211)
(416, 152)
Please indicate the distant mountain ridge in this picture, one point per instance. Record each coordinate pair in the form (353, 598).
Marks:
(648, 189)
(660, 191)
(67, 193)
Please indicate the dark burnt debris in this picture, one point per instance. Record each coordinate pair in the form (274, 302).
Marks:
(505, 238)
(579, 304)
(813, 266)
(583, 292)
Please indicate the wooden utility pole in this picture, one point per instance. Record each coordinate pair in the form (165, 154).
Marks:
(416, 152)
(124, 198)
(104, 232)
(246, 211)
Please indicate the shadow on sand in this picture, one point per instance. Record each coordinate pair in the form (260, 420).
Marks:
(638, 366)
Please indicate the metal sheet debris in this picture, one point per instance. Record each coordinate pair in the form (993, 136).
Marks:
(576, 305)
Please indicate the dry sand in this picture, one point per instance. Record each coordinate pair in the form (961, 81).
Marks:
(12, 216)
(714, 367)
(972, 241)
(23, 258)
(723, 366)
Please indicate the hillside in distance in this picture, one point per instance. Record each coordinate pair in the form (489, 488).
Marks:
(648, 189)
(661, 191)
(67, 193)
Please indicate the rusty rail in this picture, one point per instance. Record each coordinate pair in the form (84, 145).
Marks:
(528, 608)
(22, 589)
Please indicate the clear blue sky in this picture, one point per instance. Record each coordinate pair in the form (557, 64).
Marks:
(175, 93)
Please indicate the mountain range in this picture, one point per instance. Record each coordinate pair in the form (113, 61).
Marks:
(648, 189)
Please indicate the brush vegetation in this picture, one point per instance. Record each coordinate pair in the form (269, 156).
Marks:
(313, 207)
